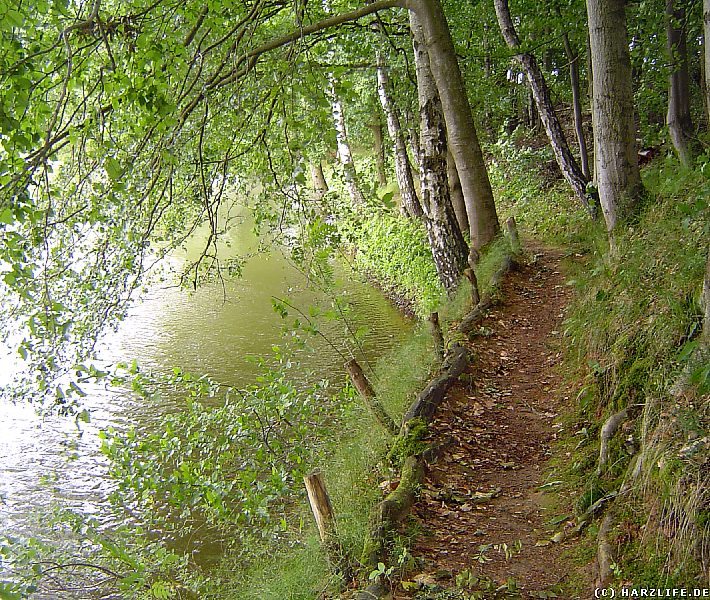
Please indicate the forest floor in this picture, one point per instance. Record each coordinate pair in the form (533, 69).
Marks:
(487, 511)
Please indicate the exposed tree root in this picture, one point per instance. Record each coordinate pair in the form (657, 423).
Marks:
(611, 426)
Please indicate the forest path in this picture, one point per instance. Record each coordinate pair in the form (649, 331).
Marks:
(498, 426)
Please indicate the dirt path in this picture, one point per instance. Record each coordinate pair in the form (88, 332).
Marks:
(500, 428)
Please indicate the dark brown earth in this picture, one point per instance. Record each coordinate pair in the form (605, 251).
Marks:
(498, 427)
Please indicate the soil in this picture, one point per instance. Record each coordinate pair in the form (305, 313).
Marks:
(497, 426)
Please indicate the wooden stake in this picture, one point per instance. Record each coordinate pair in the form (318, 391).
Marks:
(475, 294)
(367, 393)
(512, 230)
(437, 334)
(320, 504)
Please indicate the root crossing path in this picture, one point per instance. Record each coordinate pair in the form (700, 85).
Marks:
(487, 511)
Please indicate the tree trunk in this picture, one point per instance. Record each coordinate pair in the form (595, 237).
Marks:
(367, 393)
(680, 123)
(318, 179)
(344, 154)
(376, 127)
(457, 198)
(568, 165)
(448, 246)
(402, 167)
(615, 151)
(573, 59)
(413, 136)
(706, 46)
(462, 136)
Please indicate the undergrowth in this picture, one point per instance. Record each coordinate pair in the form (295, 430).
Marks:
(394, 252)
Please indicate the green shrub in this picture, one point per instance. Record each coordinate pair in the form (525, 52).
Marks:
(395, 252)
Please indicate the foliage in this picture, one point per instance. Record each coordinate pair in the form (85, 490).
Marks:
(231, 466)
(126, 561)
(529, 188)
(394, 251)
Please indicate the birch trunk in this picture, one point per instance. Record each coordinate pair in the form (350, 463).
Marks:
(541, 94)
(402, 167)
(344, 154)
(678, 119)
(615, 151)
(412, 136)
(461, 131)
(376, 127)
(448, 246)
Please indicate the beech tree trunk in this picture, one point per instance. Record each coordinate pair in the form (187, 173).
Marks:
(448, 246)
(678, 119)
(344, 154)
(402, 167)
(568, 165)
(376, 127)
(573, 59)
(615, 151)
(462, 136)
(457, 198)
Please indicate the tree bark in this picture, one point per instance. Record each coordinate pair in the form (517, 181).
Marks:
(325, 520)
(344, 154)
(320, 504)
(462, 136)
(457, 197)
(573, 59)
(448, 246)
(402, 167)
(568, 165)
(615, 151)
(431, 396)
(437, 334)
(413, 136)
(376, 127)
(320, 187)
(367, 393)
(678, 119)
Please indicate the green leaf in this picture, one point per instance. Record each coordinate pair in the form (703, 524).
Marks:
(7, 217)
(113, 168)
(11, 19)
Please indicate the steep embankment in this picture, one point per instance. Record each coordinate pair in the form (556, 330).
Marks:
(485, 512)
